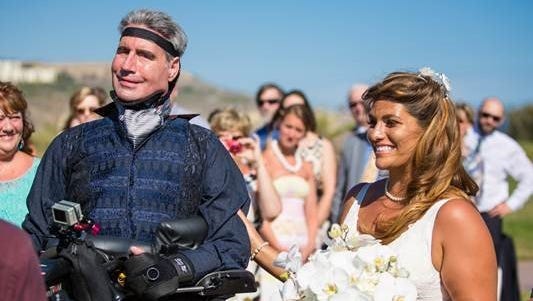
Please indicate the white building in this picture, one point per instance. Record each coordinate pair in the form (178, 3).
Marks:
(18, 71)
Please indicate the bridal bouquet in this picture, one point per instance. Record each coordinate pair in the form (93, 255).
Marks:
(352, 268)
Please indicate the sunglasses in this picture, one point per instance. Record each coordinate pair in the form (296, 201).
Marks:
(355, 103)
(488, 115)
(262, 102)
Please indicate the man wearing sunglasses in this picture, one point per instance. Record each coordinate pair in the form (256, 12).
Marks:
(267, 99)
(502, 158)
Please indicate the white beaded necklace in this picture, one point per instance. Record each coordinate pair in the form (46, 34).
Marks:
(281, 158)
(396, 199)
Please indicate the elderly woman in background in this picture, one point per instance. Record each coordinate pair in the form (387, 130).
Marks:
(17, 165)
(82, 105)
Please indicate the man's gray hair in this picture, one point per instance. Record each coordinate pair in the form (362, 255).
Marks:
(159, 22)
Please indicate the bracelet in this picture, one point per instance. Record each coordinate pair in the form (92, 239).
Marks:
(258, 249)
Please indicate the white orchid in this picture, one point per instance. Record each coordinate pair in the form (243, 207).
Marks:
(289, 290)
(391, 288)
(354, 242)
(290, 261)
(354, 268)
(335, 231)
(376, 257)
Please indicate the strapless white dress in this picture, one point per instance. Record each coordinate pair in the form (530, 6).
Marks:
(413, 248)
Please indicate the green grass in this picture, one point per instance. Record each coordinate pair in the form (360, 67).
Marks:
(528, 147)
(519, 224)
(42, 138)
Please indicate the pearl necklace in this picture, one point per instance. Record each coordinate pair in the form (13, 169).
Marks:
(281, 158)
(396, 199)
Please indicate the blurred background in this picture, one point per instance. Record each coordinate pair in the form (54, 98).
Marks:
(51, 48)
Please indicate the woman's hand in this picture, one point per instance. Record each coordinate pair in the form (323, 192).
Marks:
(251, 152)
(307, 250)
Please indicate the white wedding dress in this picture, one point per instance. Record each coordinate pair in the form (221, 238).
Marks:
(413, 248)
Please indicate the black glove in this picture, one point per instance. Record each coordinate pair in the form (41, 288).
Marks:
(152, 276)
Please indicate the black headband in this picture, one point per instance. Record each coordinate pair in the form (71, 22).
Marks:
(149, 35)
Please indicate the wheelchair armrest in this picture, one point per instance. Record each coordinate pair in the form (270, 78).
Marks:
(227, 283)
(186, 233)
(117, 246)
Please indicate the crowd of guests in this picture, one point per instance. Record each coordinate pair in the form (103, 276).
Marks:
(413, 157)
(296, 181)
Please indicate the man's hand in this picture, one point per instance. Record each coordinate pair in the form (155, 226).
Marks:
(136, 250)
(501, 210)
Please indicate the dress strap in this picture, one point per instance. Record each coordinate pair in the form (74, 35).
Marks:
(362, 193)
(352, 216)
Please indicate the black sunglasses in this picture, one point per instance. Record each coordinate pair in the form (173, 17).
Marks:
(488, 115)
(355, 103)
(261, 102)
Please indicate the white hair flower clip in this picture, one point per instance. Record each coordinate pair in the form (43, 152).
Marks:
(440, 78)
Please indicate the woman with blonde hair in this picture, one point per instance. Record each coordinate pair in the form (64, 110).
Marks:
(82, 105)
(17, 164)
(233, 129)
(422, 210)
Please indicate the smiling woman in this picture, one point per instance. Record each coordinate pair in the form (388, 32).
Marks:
(17, 165)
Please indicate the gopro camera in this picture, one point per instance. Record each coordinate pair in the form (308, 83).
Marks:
(67, 213)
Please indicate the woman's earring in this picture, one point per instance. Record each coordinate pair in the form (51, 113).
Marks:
(21, 144)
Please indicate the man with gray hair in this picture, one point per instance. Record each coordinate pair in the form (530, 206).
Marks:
(357, 163)
(139, 166)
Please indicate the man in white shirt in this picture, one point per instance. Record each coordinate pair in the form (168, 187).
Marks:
(501, 157)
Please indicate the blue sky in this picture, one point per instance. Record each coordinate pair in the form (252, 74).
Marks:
(321, 47)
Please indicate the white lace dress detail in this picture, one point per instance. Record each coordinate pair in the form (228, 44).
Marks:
(413, 248)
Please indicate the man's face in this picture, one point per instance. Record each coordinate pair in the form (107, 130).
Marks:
(357, 107)
(140, 68)
(269, 102)
(490, 116)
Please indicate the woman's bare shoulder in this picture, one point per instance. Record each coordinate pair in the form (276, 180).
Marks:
(458, 220)
(457, 209)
